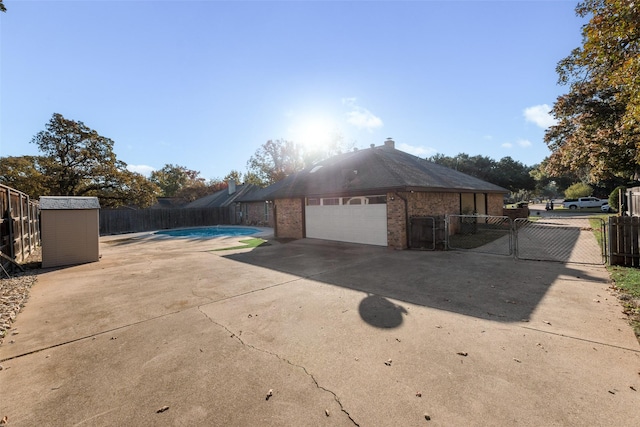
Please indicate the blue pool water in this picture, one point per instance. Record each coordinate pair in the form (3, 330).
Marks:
(209, 232)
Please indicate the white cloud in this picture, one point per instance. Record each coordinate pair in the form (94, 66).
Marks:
(360, 117)
(141, 169)
(539, 114)
(416, 150)
(524, 143)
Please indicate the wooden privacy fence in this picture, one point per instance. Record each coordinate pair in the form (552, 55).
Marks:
(19, 226)
(624, 233)
(117, 221)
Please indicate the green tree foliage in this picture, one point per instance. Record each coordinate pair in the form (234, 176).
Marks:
(598, 127)
(506, 172)
(77, 161)
(235, 176)
(2, 8)
(24, 173)
(577, 190)
(275, 160)
(197, 189)
(614, 197)
(183, 183)
(171, 178)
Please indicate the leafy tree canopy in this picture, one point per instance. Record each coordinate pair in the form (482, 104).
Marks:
(578, 190)
(77, 161)
(172, 178)
(2, 8)
(598, 127)
(275, 160)
(25, 174)
(506, 172)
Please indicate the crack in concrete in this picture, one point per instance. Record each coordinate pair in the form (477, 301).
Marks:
(310, 375)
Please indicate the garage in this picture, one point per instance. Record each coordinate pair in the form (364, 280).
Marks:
(360, 219)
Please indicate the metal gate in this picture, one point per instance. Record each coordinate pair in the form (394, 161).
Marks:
(423, 233)
(581, 240)
(480, 233)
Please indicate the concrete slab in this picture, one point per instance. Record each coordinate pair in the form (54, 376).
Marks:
(369, 336)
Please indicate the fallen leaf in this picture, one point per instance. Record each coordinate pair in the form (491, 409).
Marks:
(326, 412)
(517, 360)
(4, 420)
(388, 362)
(427, 417)
(269, 394)
(462, 353)
(164, 408)
(418, 394)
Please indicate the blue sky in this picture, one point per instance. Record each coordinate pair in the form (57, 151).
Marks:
(204, 84)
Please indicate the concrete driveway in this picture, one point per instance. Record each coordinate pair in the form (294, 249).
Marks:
(166, 332)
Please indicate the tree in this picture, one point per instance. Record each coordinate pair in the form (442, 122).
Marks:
(506, 173)
(578, 190)
(233, 175)
(2, 8)
(79, 162)
(25, 174)
(598, 128)
(275, 160)
(171, 178)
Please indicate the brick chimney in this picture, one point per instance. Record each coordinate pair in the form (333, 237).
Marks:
(390, 143)
(232, 186)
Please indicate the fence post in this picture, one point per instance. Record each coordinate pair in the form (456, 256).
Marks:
(10, 217)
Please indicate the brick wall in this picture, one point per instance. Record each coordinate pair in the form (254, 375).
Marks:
(396, 222)
(495, 204)
(289, 217)
(254, 214)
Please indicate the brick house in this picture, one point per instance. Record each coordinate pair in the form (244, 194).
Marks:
(371, 196)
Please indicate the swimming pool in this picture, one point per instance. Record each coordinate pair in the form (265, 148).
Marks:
(215, 231)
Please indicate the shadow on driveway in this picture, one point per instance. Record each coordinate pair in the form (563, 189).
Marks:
(483, 286)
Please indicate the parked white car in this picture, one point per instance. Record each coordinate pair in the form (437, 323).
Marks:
(607, 208)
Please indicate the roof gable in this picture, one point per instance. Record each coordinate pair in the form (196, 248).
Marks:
(377, 169)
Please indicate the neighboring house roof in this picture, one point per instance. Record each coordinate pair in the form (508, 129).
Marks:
(220, 198)
(168, 203)
(68, 202)
(376, 170)
(259, 194)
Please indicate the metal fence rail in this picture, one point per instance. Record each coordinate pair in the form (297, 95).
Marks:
(562, 239)
(480, 233)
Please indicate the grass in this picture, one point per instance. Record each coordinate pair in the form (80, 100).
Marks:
(627, 281)
(249, 243)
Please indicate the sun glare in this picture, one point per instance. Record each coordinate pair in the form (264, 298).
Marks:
(314, 133)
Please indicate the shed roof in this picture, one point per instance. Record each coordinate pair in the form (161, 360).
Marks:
(68, 202)
(375, 170)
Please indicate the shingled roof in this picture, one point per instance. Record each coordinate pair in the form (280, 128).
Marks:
(377, 170)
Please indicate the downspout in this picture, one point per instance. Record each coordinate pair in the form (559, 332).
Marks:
(406, 218)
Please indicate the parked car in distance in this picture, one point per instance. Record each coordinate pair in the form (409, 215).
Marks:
(607, 208)
(584, 202)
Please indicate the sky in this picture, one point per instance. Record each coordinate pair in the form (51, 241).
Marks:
(203, 84)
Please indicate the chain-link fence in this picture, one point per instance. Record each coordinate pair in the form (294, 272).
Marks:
(480, 233)
(564, 239)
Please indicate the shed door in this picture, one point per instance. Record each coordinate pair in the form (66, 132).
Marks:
(365, 224)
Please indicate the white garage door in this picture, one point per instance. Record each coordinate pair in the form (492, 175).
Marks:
(348, 223)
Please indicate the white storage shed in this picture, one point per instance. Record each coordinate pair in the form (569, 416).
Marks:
(70, 228)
